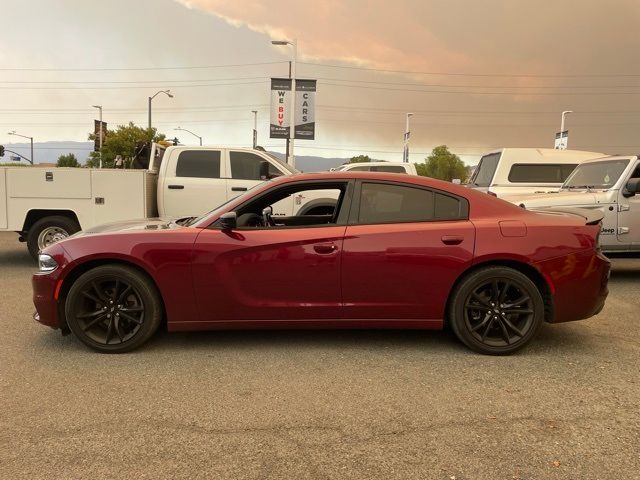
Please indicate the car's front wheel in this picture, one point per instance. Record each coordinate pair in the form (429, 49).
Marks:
(496, 310)
(113, 308)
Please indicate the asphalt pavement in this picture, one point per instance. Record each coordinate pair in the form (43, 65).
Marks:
(319, 404)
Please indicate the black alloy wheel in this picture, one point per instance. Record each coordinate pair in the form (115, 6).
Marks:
(113, 308)
(496, 310)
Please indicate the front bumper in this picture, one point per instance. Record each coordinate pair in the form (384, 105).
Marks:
(44, 288)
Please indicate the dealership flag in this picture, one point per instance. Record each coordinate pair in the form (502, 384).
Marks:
(562, 140)
(96, 132)
(305, 123)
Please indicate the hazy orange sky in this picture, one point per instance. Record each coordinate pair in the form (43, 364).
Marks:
(477, 75)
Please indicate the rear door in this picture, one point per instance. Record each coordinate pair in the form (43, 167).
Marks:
(404, 248)
(194, 182)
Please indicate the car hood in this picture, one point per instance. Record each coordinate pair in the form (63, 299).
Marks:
(148, 224)
(555, 199)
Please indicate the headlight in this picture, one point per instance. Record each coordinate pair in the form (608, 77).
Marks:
(46, 263)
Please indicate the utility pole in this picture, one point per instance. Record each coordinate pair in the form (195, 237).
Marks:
(407, 134)
(99, 107)
(255, 128)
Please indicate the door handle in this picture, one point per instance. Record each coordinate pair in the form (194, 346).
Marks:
(325, 248)
(176, 187)
(238, 189)
(452, 239)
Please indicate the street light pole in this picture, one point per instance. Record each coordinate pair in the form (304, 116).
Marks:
(189, 131)
(99, 107)
(13, 132)
(166, 92)
(407, 134)
(561, 145)
(255, 128)
(292, 127)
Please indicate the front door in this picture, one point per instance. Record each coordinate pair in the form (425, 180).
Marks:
(403, 250)
(279, 270)
(629, 213)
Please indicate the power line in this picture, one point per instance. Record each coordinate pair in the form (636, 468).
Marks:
(133, 86)
(133, 69)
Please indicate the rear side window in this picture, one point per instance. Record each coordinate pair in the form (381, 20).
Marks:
(388, 168)
(198, 164)
(246, 166)
(486, 170)
(540, 173)
(387, 203)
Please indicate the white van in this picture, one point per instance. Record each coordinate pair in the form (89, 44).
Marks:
(525, 171)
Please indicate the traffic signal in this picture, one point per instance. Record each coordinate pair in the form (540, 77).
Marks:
(1, 150)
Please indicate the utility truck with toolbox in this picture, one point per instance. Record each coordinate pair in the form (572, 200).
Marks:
(46, 205)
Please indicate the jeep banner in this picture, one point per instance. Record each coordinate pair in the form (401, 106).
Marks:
(305, 125)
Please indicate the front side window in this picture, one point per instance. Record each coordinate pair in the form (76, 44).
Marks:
(198, 164)
(540, 172)
(483, 175)
(246, 166)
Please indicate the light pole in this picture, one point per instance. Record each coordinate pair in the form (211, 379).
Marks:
(561, 145)
(189, 131)
(255, 128)
(13, 132)
(99, 107)
(292, 127)
(407, 134)
(166, 92)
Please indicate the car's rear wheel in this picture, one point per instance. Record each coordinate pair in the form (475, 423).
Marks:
(113, 308)
(496, 310)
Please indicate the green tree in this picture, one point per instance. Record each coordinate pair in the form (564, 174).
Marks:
(68, 160)
(122, 141)
(360, 159)
(442, 164)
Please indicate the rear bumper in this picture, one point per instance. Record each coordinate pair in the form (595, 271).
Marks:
(580, 283)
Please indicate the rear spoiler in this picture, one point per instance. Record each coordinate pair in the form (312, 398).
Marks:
(591, 216)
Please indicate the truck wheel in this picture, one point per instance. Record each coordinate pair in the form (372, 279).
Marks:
(48, 231)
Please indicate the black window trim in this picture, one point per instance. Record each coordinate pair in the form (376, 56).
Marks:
(355, 203)
(345, 206)
(521, 164)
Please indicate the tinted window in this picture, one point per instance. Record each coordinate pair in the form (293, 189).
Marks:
(380, 203)
(449, 208)
(198, 163)
(246, 166)
(388, 168)
(485, 171)
(360, 169)
(540, 173)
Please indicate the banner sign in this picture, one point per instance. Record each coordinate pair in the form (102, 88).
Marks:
(305, 123)
(562, 140)
(96, 132)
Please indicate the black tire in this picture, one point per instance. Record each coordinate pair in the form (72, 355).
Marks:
(113, 308)
(496, 310)
(65, 225)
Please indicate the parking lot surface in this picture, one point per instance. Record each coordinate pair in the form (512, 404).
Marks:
(320, 404)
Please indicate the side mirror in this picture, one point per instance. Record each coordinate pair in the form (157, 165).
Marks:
(632, 187)
(264, 171)
(229, 221)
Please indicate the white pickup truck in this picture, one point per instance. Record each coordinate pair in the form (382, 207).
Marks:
(610, 185)
(45, 205)
(387, 167)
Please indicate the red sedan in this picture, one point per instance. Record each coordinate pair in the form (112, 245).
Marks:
(392, 251)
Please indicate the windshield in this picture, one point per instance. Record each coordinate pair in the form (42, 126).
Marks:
(286, 166)
(601, 175)
(486, 169)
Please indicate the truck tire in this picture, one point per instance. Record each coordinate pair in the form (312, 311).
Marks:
(49, 230)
